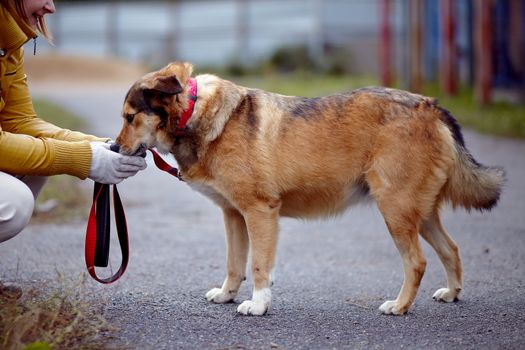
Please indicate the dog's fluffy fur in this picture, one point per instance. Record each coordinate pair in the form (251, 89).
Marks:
(260, 155)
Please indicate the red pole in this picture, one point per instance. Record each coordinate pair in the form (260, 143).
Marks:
(448, 64)
(483, 51)
(385, 54)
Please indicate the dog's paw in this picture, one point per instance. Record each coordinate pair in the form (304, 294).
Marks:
(391, 307)
(259, 304)
(250, 307)
(216, 295)
(446, 295)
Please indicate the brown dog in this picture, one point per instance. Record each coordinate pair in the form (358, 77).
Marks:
(260, 155)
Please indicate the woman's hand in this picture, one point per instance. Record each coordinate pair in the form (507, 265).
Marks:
(109, 167)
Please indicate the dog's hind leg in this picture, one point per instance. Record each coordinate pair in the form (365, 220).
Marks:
(262, 222)
(406, 238)
(403, 220)
(237, 254)
(433, 232)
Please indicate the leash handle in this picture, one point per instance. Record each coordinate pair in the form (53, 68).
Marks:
(99, 224)
(98, 232)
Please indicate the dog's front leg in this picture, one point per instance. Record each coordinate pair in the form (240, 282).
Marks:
(237, 254)
(262, 223)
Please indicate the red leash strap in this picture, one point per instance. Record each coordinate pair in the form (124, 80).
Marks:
(98, 229)
(162, 165)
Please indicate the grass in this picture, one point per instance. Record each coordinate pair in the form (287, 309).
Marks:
(57, 320)
(71, 199)
(498, 118)
(305, 84)
(502, 119)
(57, 115)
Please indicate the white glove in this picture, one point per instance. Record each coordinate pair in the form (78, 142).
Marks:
(109, 167)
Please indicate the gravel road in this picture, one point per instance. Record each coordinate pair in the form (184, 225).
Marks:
(331, 275)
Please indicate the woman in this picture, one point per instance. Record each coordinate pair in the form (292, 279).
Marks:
(30, 148)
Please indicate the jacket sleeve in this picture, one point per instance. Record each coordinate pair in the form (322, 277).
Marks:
(27, 155)
(31, 146)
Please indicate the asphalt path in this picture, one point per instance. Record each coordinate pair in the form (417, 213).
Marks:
(331, 275)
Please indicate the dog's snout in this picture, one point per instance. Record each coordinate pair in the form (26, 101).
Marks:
(115, 147)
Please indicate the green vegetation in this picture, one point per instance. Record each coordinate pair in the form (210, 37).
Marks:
(65, 191)
(498, 118)
(57, 115)
(304, 84)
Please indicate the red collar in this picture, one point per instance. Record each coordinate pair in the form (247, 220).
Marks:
(192, 98)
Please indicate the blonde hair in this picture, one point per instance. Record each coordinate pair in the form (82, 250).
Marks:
(40, 26)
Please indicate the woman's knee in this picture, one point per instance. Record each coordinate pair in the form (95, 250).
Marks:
(16, 207)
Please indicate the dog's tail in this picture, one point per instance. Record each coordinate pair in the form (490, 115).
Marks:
(470, 184)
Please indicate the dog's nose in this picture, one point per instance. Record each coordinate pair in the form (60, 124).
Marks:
(115, 147)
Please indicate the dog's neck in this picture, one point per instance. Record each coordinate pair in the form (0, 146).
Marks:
(188, 112)
(215, 107)
(210, 116)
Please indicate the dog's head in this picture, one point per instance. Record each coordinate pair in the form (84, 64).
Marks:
(152, 109)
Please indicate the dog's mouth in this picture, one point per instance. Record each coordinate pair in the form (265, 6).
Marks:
(141, 150)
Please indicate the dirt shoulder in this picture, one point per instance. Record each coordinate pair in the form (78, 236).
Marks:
(63, 71)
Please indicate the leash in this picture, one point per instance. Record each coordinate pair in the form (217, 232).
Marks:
(98, 227)
(99, 223)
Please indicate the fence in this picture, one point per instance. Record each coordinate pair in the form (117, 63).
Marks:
(220, 31)
(480, 41)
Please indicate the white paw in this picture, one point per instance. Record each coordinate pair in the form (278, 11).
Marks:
(258, 305)
(250, 307)
(446, 295)
(391, 307)
(216, 295)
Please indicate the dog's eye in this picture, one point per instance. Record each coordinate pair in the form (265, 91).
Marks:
(129, 118)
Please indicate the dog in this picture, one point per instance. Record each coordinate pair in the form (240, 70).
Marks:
(260, 155)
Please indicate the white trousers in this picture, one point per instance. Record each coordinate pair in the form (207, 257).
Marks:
(17, 201)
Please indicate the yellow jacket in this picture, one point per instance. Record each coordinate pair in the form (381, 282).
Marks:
(29, 145)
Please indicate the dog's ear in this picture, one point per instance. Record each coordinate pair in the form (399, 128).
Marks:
(167, 85)
(182, 70)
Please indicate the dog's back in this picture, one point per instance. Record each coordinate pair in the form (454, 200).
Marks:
(315, 153)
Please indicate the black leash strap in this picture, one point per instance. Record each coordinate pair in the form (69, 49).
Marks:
(103, 225)
(98, 232)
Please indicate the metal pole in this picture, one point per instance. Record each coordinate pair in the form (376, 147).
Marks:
(174, 30)
(449, 71)
(316, 47)
(242, 31)
(112, 28)
(470, 50)
(385, 51)
(405, 45)
(416, 41)
(483, 52)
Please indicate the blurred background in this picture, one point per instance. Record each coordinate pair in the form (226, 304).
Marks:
(473, 50)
